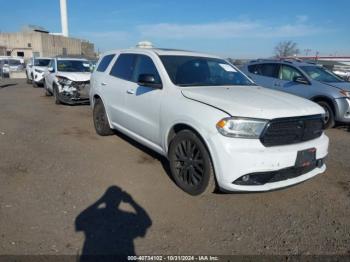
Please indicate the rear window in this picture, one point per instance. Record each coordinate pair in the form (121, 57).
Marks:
(124, 67)
(105, 63)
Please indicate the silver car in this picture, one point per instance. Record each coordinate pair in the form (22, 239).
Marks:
(307, 80)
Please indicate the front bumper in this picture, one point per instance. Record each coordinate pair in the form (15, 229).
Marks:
(76, 94)
(234, 158)
(343, 110)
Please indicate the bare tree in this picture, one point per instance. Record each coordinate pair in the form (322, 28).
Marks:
(286, 48)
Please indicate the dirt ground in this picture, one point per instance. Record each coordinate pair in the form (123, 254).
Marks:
(65, 190)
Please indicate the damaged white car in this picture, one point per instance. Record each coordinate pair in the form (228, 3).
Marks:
(68, 80)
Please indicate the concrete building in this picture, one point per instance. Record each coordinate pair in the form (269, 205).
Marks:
(36, 41)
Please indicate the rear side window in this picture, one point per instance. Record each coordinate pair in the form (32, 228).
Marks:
(124, 67)
(105, 63)
(253, 69)
(269, 70)
(145, 65)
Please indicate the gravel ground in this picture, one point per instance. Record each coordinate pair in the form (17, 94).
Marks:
(60, 185)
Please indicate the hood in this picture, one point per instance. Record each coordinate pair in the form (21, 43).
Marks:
(42, 68)
(341, 85)
(253, 101)
(75, 76)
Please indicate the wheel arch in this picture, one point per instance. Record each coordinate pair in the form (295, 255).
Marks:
(178, 127)
(325, 99)
(96, 97)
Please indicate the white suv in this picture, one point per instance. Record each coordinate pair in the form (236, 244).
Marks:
(35, 70)
(216, 127)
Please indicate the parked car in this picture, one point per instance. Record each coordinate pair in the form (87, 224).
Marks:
(92, 64)
(9, 65)
(68, 80)
(3, 68)
(35, 70)
(307, 80)
(343, 74)
(216, 127)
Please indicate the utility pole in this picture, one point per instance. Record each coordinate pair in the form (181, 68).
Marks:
(307, 51)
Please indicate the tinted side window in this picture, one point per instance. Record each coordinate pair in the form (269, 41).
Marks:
(145, 65)
(105, 63)
(124, 67)
(270, 70)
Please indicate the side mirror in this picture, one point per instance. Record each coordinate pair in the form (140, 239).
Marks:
(149, 81)
(301, 80)
(50, 69)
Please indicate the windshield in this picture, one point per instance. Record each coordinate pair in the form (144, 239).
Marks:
(202, 71)
(41, 62)
(73, 66)
(321, 74)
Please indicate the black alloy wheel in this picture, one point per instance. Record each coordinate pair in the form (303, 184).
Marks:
(190, 164)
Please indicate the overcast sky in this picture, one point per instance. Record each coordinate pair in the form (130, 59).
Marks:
(232, 28)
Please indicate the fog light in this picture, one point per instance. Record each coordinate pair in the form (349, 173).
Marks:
(319, 163)
(245, 178)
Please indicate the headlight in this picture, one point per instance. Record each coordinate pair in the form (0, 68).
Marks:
(38, 71)
(345, 93)
(241, 127)
(64, 81)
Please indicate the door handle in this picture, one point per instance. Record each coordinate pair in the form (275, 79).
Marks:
(131, 91)
(103, 84)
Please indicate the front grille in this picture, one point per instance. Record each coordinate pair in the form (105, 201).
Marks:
(292, 130)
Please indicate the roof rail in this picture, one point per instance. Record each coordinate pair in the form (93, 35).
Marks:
(292, 59)
(262, 60)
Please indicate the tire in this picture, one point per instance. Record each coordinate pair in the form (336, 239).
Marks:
(28, 80)
(190, 164)
(329, 118)
(100, 119)
(46, 91)
(55, 94)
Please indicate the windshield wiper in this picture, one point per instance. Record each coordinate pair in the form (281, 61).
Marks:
(192, 84)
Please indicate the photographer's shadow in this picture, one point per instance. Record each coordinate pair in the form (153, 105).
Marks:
(109, 230)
